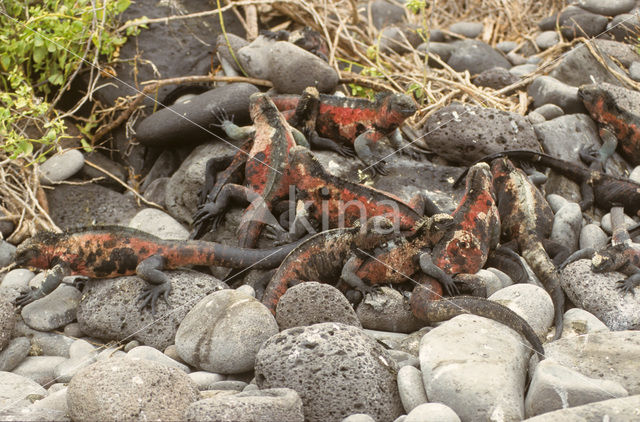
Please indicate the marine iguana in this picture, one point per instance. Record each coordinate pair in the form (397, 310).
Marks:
(113, 251)
(622, 255)
(526, 218)
(617, 114)
(357, 121)
(597, 186)
(265, 181)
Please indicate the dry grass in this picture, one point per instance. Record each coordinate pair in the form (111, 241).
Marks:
(351, 38)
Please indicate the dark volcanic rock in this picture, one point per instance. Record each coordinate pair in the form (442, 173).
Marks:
(84, 205)
(190, 122)
(338, 370)
(463, 134)
(476, 57)
(165, 50)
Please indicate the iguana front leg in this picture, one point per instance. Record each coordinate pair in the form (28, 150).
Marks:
(362, 146)
(404, 148)
(51, 282)
(150, 270)
(432, 270)
(320, 142)
(214, 211)
(630, 283)
(350, 277)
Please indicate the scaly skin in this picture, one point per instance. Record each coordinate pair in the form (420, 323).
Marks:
(323, 256)
(459, 244)
(356, 121)
(526, 217)
(340, 202)
(604, 109)
(113, 251)
(607, 189)
(622, 255)
(264, 175)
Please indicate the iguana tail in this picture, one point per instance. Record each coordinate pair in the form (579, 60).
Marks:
(573, 171)
(447, 308)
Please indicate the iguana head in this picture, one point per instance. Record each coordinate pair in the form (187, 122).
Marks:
(262, 108)
(602, 261)
(374, 231)
(435, 227)
(394, 109)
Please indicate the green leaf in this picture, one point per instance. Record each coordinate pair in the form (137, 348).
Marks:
(39, 54)
(56, 79)
(122, 5)
(38, 41)
(5, 61)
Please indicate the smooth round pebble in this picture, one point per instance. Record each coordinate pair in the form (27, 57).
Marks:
(432, 412)
(467, 29)
(14, 353)
(387, 310)
(246, 290)
(7, 253)
(15, 390)
(149, 353)
(635, 174)
(160, 224)
(61, 167)
(73, 330)
(411, 388)
(554, 387)
(549, 111)
(607, 8)
(224, 331)
(358, 417)
(293, 69)
(578, 322)
(547, 39)
(531, 302)
(205, 379)
(567, 223)
(17, 279)
(547, 90)
(55, 310)
(592, 236)
(536, 118)
(605, 222)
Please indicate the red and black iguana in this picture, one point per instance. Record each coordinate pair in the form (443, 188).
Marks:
(264, 182)
(596, 186)
(113, 251)
(355, 122)
(527, 219)
(364, 259)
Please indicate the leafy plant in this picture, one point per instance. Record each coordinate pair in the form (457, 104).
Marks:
(42, 45)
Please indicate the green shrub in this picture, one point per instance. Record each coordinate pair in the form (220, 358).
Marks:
(42, 44)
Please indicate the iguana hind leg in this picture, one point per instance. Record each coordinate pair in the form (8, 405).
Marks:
(150, 270)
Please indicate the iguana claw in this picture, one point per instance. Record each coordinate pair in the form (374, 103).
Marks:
(28, 297)
(379, 168)
(151, 294)
(220, 116)
(627, 286)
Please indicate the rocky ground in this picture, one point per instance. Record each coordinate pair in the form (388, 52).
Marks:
(216, 353)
